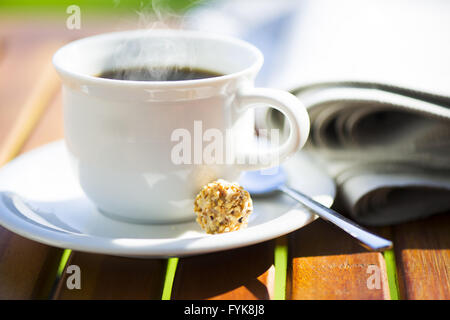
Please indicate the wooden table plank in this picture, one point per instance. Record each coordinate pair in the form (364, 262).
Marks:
(422, 251)
(240, 274)
(23, 90)
(27, 268)
(108, 277)
(50, 127)
(326, 263)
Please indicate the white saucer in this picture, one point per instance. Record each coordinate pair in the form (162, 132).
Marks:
(40, 199)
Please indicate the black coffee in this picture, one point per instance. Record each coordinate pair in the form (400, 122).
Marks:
(159, 74)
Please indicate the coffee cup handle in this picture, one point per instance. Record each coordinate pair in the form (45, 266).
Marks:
(291, 107)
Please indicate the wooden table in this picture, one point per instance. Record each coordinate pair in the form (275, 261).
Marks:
(315, 262)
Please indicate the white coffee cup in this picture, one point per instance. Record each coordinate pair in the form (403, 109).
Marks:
(120, 133)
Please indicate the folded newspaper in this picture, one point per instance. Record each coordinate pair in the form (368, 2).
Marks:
(387, 148)
(375, 77)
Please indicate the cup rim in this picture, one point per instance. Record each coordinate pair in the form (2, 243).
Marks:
(87, 78)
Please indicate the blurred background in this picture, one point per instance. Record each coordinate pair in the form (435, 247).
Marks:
(400, 41)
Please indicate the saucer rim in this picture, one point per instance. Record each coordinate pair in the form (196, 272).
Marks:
(154, 248)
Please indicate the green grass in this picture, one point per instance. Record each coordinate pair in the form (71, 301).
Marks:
(96, 4)
(63, 262)
(169, 278)
(391, 269)
(280, 263)
(92, 7)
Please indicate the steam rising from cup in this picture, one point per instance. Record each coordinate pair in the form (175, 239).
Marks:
(158, 59)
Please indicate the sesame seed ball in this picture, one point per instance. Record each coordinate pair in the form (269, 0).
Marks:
(222, 206)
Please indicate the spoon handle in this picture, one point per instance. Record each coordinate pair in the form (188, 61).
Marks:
(367, 239)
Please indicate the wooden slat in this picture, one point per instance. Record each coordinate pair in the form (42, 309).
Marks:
(245, 273)
(36, 103)
(50, 126)
(108, 277)
(422, 251)
(326, 263)
(27, 268)
(24, 75)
